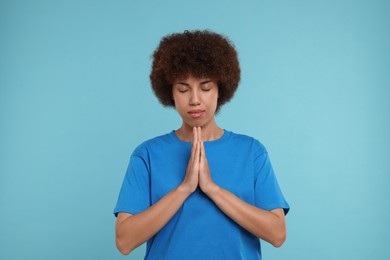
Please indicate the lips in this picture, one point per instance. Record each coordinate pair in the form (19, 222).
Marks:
(196, 113)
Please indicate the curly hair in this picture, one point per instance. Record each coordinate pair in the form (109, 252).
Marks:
(196, 53)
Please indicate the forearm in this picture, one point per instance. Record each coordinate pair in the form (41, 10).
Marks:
(133, 230)
(267, 225)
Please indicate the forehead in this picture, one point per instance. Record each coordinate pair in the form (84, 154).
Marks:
(194, 81)
(191, 77)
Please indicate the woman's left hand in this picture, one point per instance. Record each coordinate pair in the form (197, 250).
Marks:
(267, 225)
(206, 183)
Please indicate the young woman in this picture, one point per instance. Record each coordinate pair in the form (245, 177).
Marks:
(199, 192)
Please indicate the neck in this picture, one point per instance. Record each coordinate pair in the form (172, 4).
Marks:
(209, 132)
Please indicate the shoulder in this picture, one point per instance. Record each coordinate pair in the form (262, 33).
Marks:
(145, 147)
(240, 140)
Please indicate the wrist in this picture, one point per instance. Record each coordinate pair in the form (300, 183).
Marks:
(211, 189)
(185, 189)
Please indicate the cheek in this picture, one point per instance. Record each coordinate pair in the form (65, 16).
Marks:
(214, 99)
(178, 102)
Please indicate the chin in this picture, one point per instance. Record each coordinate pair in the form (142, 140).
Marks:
(193, 123)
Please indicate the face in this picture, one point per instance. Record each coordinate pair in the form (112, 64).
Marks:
(196, 100)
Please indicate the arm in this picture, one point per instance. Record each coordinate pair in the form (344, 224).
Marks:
(133, 230)
(267, 225)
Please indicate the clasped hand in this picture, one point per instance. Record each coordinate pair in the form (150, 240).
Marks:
(198, 172)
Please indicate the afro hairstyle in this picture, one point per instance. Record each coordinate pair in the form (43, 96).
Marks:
(199, 54)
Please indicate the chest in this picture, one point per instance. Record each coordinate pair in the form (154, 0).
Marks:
(231, 169)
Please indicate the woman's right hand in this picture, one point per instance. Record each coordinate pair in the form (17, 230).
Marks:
(191, 180)
(133, 230)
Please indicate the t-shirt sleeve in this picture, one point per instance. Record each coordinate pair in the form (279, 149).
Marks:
(268, 195)
(134, 196)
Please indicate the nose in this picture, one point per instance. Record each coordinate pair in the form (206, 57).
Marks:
(194, 99)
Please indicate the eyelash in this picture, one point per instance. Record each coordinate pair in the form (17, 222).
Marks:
(203, 89)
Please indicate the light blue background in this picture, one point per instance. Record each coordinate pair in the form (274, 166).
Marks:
(75, 100)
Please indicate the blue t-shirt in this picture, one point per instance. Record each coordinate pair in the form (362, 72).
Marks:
(199, 229)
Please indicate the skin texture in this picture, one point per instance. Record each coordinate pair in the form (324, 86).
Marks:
(198, 53)
(193, 94)
(199, 95)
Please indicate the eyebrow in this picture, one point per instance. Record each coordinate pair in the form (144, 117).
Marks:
(182, 83)
(206, 81)
(201, 83)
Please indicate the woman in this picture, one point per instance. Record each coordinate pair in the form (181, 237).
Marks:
(200, 192)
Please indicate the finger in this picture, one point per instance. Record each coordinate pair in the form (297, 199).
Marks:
(195, 134)
(195, 157)
(198, 143)
(203, 154)
(198, 152)
(201, 164)
(201, 142)
(193, 148)
(198, 138)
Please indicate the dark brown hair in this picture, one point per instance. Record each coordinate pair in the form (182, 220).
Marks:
(196, 53)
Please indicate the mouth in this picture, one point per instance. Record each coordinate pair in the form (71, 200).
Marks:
(196, 113)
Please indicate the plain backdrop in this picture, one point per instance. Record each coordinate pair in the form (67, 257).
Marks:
(75, 100)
